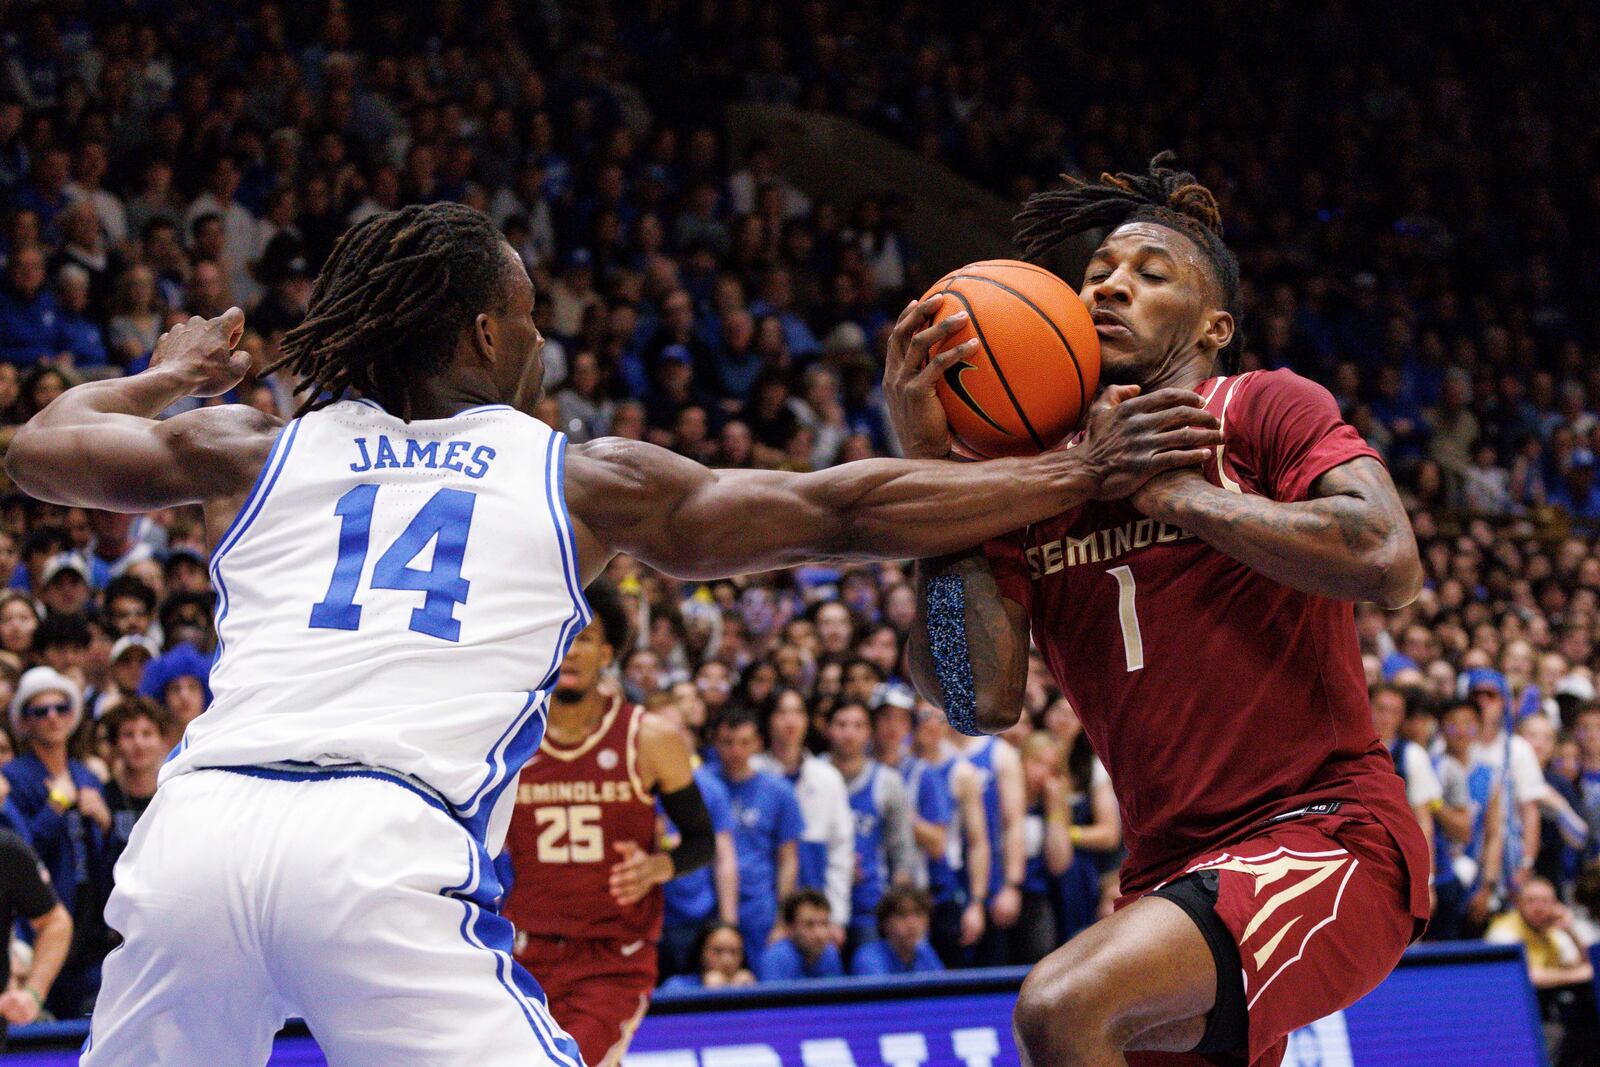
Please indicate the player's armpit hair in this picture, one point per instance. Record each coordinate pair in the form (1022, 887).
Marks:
(697, 843)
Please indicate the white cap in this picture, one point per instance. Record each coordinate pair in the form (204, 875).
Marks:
(64, 561)
(123, 644)
(45, 680)
(1575, 685)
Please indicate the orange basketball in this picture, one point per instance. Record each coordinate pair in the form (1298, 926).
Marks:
(1037, 364)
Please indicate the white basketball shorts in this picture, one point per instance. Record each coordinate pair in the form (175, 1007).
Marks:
(348, 897)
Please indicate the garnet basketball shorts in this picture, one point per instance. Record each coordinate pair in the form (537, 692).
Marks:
(1317, 910)
(597, 990)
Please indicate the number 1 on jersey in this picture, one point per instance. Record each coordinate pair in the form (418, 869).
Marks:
(1132, 642)
(446, 516)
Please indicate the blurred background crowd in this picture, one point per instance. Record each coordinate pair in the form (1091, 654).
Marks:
(1414, 235)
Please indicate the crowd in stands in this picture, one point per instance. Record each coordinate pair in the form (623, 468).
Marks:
(1414, 235)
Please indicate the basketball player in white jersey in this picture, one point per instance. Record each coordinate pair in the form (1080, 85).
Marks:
(399, 571)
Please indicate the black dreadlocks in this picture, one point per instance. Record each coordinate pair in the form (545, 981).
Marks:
(1163, 195)
(391, 303)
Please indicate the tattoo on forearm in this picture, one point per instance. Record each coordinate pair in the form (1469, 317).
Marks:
(1318, 544)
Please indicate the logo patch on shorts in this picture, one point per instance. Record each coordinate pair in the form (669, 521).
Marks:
(607, 758)
(1295, 895)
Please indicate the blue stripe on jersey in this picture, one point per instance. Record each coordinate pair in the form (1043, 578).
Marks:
(521, 738)
(315, 772)
(483, 927)
(277, 459)
(257, 496)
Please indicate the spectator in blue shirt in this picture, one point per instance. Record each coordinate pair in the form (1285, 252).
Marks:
(885, 850)
(903, 916)
(30, 319)
(932, 808)
(712, 892)
(80, 336)
(67, 819)
(809, 951)
(767, 825)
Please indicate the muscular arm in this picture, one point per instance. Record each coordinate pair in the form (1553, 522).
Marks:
(929, 836)
(1351, 540)
(1551, 977)
(1456, 822)
(52, 937)
(788, 868)
(975, 830)
(99, 445)
(1493, 840)
(1424, 814)
(1531, 833)
(725, 874)
(1105, 833)
(698, 523)
(1013, 813)
(1057, 834)
(997, 640)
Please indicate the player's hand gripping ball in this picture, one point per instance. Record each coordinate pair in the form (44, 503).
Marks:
(1028, 381)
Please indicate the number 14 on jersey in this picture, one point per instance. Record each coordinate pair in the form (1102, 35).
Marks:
(447, 517)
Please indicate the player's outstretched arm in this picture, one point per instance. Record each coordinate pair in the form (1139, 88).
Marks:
(1351, 540)
(99, 445)
(694, 522)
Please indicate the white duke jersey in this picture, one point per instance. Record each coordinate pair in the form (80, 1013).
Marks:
(398, 595)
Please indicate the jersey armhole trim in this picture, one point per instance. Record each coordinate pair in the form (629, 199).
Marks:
(277, 459)
(265, 478)
(556, 489)
(631, 755)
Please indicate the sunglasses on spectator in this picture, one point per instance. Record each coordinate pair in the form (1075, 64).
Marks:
(41, 710)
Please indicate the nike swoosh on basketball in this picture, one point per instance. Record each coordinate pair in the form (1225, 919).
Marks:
(628, 950)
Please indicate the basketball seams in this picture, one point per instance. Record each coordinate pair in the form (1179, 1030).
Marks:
(1037, 310)
(954, 434)
(995, 363)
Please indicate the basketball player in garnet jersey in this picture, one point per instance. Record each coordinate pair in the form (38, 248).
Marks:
(586, 894)
(400, 570)
(1202, 627)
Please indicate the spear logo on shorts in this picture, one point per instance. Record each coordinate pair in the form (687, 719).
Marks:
(1283, 878)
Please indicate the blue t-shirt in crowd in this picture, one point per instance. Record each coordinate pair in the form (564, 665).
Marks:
(691, 898)
(29, 329)
(83, 339)
(983, 760)
(784, 962)
(766, 816)
(947, 873)
(684, 982)
(872, 864)
(877, 957)
(69, 845)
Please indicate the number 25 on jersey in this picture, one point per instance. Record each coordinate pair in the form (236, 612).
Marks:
(447, 517)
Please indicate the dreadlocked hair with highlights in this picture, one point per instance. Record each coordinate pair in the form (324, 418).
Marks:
(391, 303)
(1165, 195)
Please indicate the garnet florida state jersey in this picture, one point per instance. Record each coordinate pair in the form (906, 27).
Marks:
(1216, 697)
(573, 806)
